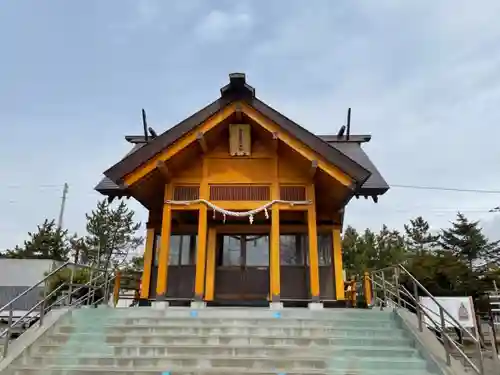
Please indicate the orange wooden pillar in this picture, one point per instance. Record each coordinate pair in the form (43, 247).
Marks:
(367, 288)
(312, 232)
(201, 249)
(166, 229)
(199, 284)
(274, 256)
(338, 269)
(148, 260)
(210, 270)
(116, 288)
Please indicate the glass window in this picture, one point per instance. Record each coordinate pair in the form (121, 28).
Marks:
(231, 250)
(292, 248)
(325, 248)
(182, 250)
(257, 250)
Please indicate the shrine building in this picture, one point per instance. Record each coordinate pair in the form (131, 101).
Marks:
(245, 205)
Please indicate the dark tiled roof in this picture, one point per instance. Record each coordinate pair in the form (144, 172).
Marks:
(358, 138)
(375, 185)
(106, 186)
(238, 90)
(346, 154)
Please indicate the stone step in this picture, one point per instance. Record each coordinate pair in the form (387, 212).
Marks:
(230, 350)
(216, 361)
(236, 313)
(221, 329)
(264, 321)
(99, 370)
(217, 339)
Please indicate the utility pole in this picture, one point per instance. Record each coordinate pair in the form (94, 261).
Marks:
(63, 203)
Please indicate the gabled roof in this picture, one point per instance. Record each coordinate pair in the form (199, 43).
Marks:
(239, 90)
(375, 185)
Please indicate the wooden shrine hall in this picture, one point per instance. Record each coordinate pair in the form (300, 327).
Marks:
(245, 205)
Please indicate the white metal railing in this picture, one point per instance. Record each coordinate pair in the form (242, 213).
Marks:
(99, 279)
(388, 290)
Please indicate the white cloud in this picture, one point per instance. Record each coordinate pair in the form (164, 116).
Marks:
(221, 25)
(421, 77)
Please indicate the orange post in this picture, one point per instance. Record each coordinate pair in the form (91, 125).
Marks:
(352, 291)
(116, 288)
(367, 288)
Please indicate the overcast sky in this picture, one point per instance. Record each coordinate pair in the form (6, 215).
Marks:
(421, 76)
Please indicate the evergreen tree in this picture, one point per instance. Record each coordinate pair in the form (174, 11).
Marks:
(111, 235)
(419, 240)
(466, 240)
(391, 249)
(48, 242)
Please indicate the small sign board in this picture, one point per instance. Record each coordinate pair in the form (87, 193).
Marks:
(460, 308)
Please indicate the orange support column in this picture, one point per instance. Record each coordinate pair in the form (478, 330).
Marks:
(210, 271)
(275, 263)
(275, 255)
(116, 288)
(201, 254)
(313, 245)
(148, 260)
(201, 250)
(367, 288)
(338, 269)
(166, 229)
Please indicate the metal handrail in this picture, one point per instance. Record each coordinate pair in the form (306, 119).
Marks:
(92, 284)
(4, 307)
(420, 309)
(47, 297)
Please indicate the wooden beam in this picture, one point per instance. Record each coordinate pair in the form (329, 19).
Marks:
(148, 260)
(202, 142)
(275, 141)
(162, 167)
(166, 228)
(313, 169)
(238, 113)
(275, 279)
(201, 253)
(312, 232)
(338, 267)
(210, 271)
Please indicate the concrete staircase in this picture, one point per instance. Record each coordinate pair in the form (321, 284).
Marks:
(179, 341)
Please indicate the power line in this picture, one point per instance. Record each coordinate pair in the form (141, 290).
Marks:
(402, 186)
(418, 187)
(20, 186)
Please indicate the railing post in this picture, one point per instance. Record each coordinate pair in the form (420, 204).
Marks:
(491, 333)
(396, 281)
(93, 284)
(9, 330)
(444, 337)
(42, 305)
(478, 347)
(71, 281)
(374, 287)
(105, 289)
(417, 306)
(384, 291)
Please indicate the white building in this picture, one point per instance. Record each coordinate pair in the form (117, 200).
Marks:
(17, 275)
